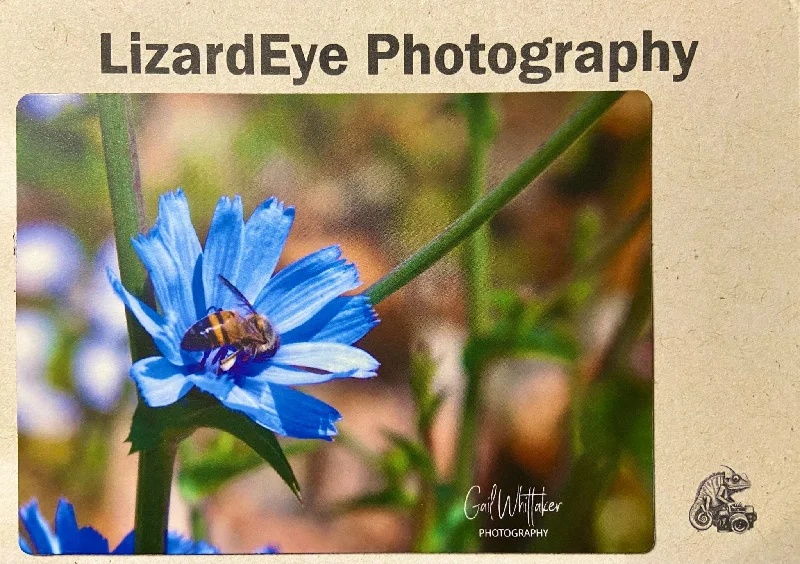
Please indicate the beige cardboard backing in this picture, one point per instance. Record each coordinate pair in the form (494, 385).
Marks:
(725, 213)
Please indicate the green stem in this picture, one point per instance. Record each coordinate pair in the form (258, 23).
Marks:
(122, 171)
(155, 465)
(154, 482)
(480, 122)
(488, 205)
(198, 520)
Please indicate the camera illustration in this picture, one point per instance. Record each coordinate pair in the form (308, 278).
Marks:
(738, 519)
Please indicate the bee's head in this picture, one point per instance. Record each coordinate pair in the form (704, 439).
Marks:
(272, 340)
(267, 350)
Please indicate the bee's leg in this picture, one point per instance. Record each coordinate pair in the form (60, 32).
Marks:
(217, 357)
(246, 354)
(227, 363)
(204, 359)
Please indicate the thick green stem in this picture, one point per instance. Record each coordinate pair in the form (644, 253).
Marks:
(126, 208)
(156, 465)
(152, 498)
(489, 204)
(480, 122)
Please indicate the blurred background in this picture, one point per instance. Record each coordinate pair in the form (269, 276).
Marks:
(380, 175)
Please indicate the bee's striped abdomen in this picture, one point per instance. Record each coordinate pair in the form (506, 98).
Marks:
(210, 332)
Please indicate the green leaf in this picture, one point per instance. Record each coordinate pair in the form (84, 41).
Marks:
(428, 412)
(554, 341)
(548, 340)
(422, 371)
(392, 497)
(452, 531)
(588, 227)
(418, 458)
(151, 426)
(426, 400)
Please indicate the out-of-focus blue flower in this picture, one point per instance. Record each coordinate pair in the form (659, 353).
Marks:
(41, 409)
(68, 538)
(101, 361)
(106, 314)
(176, 544)
(303, 302)
(36, 339)
(48, 106)
(99, 368)
(49, 259)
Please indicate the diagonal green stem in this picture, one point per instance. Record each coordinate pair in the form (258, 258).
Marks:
(488, 205)
(122, 170)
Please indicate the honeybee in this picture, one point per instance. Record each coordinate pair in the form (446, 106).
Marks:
(249, 333)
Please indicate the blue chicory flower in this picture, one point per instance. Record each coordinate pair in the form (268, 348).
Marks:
(69, 538)
(49, 259)
(303, 302)
(48, 106)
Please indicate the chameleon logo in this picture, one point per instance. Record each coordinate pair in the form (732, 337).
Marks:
(714, 504)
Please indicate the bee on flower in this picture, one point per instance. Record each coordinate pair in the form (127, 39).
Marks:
(231, 327)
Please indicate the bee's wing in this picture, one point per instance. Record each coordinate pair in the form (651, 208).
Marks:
(241, 301)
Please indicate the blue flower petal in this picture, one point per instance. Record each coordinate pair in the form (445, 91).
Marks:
(293, 376)
(218, 386)
(265, 234)
(269, 549)
(69, 539)
(222, 253)
(90, 542)
(331, 357)
(177, 544)
(293, 275)
(304, 416)
(126, 545)
(159, 382)
(284, 410)
(164, 335)
(67, 527)
(172, 255)
(246, 397)
(42, 538)
(304, 287)
(344, 320)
